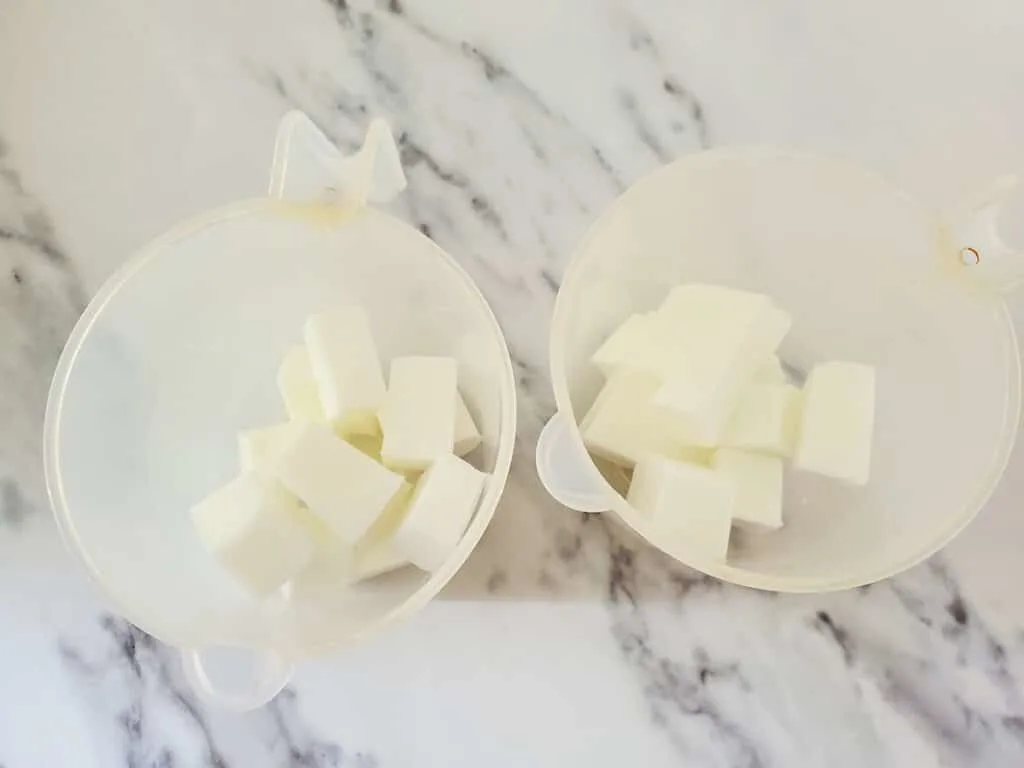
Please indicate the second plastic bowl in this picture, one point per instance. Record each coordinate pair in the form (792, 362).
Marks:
(869, 275)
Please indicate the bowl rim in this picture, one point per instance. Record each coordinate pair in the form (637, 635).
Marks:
(122, 276)
(624, 514)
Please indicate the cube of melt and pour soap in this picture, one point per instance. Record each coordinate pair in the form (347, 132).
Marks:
(337, 564)
(721, 337)
(757, 485)
(254, 528)
(467, 436)
(441, 507)
(259, 448)
(771, 371)
(690, 507)
(298, 387)
(376, 553)
(837, 422)
(419, 412)
(766, 418)
(624, 425)
(346, 368)
(640, 343)
(340, 484)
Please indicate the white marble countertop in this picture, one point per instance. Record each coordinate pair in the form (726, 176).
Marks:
(562, 642)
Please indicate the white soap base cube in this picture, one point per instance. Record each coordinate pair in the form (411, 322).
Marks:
(254, 528)
(639, 344)
(331, 570)
(722, 335)
(837, 422)
(298, 387)
(441, 507)
(771, 371)
(419, 410)
(757, 483)
(346, 368)
(375, 554)
(766, 419)
(259, 448)
(338, 565)
(467, 436)
(340, 485)
(689, 506)
(624, 425)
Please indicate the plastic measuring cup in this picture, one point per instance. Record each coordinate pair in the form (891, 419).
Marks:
(870, 275)
(179, 350)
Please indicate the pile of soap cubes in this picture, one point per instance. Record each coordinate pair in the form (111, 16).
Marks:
(364, 477)
(697, 405)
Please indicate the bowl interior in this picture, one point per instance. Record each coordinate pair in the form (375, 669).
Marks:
(865, 273)
(179, 351)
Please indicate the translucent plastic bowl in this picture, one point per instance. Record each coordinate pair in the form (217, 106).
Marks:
(179, 351)
(869, 275)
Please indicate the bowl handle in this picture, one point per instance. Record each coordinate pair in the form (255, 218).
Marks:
(564, 469)
(308, 167)
(973, 226)
(269, 676)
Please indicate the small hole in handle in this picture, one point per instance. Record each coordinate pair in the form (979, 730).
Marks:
(970, 257)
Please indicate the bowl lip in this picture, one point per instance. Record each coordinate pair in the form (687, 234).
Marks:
(625, 515)
(122, 276)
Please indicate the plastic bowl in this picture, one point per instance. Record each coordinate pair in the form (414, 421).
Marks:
(869, 275)
(179, 351)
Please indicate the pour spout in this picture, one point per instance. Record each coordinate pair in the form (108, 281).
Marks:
(308, 167)
(980, 250)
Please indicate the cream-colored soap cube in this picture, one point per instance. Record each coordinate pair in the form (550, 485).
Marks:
(689, 305)
(771, 371)
(341, 485)
(419, 412)
(837, 422)
(467, 436)
(766, 419)
(640, 343)
(757, 481)
(298, 387)
(441, 507)
(329, 573)
(376, 554)
(346, 368)
(259, 448)
(255, 529)
(624, 425)
(338, 564)
(722, 335)
(689, 506)
(338, 567)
